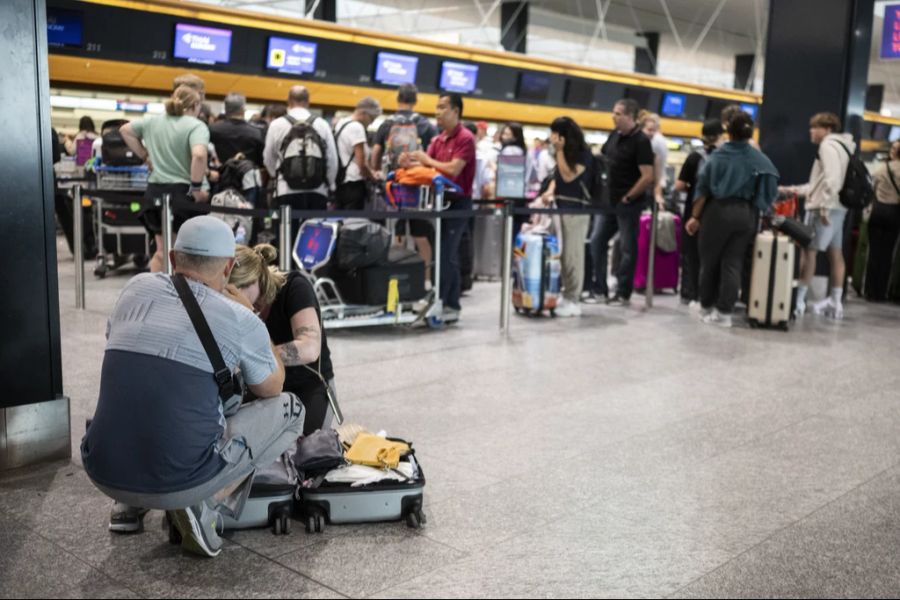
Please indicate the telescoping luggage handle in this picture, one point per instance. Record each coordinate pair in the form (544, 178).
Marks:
(222, 374)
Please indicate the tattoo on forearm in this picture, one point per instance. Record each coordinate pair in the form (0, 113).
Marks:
(290, 355)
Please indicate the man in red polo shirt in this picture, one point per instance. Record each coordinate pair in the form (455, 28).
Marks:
(452, 153)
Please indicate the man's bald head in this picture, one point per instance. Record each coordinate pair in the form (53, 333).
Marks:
(298, 96)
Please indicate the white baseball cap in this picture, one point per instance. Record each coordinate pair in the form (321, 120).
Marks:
(205, 236)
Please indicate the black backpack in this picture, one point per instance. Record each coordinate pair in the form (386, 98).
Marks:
(303, 155)
(596, 189)
(114, 151)
(232, 173)
(857, 191)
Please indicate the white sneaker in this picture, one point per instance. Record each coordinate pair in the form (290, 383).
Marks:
(716, 318)
(695, 306)
(704, 313)
(829, 308)
(800, 310)
(566, 308)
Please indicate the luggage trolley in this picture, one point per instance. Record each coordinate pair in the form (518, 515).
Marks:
(314, 248)
(120, 234)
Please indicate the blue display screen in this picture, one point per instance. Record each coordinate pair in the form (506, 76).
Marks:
(204, 45)
(64, 28)
(458, 77)
(396, 69)
(890, 40)
(750, 109)
(291, 56)
(533, 86)
(673, 105)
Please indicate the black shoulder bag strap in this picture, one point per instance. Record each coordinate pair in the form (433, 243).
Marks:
(222, 374)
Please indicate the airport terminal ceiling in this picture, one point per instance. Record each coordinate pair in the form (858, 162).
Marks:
(699, 39)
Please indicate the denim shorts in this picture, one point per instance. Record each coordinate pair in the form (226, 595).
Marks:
(830, 236)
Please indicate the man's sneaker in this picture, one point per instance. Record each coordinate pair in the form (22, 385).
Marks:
(450, 315)
(716, 318)
(567, 308)
(126, 519)
(695, 306)
(199, 526)
(618, 300)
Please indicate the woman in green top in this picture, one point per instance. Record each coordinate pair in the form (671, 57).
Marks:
(174, 145)
(736, 184)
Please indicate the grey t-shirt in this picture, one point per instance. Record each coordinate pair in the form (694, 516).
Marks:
(159, 422)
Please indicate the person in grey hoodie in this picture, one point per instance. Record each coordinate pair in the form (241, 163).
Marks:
(824, 211)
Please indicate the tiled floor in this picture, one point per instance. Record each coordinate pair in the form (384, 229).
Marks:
(626, 453)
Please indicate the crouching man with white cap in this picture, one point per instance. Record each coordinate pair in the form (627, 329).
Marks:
(159, 438)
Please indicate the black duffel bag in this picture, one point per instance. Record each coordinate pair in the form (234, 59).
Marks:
(362, 243)
(794, 229)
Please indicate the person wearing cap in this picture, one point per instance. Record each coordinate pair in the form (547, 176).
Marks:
(712, 133)
(160, 438)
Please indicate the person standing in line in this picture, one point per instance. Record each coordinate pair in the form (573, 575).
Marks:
(824, 211)
(651, 125)
(353, 160)
(884, 227)
(570, 189)
(687, 182)
(177, 145)
(631, 177)
(736, 185)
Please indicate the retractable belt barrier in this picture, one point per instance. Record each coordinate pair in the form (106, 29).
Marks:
(500, 207)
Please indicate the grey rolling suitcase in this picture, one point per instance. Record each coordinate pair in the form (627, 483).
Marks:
(340, 503)
(488, 237)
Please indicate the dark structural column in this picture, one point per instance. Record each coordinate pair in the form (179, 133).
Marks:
(514, 26)
(34, 415)
(325, 11)
(821, 66)
(743, 71)
(645, 59)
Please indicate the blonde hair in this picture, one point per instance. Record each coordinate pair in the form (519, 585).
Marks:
(254, 266)
(190, 80)
(645, 116)
(183, 99)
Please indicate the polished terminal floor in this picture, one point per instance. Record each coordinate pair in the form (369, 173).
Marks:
(628, 453)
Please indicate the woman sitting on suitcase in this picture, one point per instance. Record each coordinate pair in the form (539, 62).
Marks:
(287, 303)
(737, 182)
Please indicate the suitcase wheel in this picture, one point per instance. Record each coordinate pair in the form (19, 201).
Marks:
(416, 519)
(553, 312)
(100, 271)
(754, 324)
(315, 523)
(281, 524)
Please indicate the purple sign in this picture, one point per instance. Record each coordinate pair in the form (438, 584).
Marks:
(458, 77)
(291, 56)
(890, 40)
(396, 69)
(202, 44)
